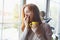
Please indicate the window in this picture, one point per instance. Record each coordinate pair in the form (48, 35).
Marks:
(54, 14)
(10, 19)
(40, 3)
(1, 8)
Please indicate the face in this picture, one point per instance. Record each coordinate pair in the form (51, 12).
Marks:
(28, 13)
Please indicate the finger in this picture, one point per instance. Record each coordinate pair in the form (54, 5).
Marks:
(25, 18)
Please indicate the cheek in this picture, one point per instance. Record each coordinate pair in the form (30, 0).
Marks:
(31, 16)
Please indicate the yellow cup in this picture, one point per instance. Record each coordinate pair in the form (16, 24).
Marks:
(33, 23)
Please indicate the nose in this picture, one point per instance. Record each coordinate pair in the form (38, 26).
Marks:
(27, 15)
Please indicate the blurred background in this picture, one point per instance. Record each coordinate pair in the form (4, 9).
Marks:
(10, 17)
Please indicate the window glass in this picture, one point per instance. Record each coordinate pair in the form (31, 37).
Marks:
(40, 3)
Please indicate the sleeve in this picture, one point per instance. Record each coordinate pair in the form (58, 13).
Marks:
(24, 34)
(48, 32)
(38, 31)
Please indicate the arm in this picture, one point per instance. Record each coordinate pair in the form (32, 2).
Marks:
(48, 32)
(24, 34)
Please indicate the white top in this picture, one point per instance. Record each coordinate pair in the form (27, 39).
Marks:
(30, 35)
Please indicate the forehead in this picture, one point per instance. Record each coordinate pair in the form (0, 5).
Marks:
(26, 9)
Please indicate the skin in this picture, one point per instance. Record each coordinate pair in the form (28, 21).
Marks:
(28, 13)
(28, 16)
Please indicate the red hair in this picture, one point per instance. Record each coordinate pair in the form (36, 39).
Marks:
(36, 12)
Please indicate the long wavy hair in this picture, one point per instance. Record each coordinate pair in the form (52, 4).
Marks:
(33, 8)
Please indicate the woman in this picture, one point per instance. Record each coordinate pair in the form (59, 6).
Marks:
(31, 31)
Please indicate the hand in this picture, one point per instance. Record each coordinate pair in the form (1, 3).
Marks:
(26, 20)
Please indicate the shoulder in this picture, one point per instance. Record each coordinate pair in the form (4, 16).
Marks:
(46, 26)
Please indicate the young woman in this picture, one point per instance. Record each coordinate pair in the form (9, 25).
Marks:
(32, 27)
